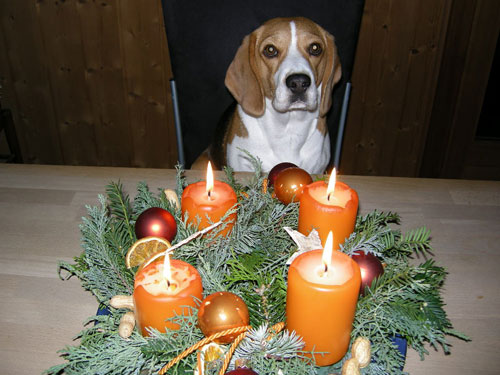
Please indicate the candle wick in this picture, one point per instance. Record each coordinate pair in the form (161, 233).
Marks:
(326, 268)
(209, 194)
(329, 195)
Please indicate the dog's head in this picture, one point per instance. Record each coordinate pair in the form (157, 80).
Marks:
(291, 61)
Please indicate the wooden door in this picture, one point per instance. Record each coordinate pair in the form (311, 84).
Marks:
(455, 148)
(393, 85)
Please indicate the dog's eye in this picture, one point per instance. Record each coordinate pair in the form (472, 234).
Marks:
(270, 51)
(315, 49)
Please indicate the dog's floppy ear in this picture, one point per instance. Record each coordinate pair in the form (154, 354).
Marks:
(331, 76)
(243, 81)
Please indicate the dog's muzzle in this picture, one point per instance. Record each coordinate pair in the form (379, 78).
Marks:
(300, 95)
(295, 91)
(298, 83)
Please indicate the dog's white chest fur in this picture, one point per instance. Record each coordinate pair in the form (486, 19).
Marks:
(277, 137)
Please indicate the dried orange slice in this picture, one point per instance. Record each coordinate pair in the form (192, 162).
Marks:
(144, 248)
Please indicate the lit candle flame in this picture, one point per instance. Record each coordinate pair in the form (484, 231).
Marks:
(327, 252)
(330, 190)
(210, 180)
(167, 272)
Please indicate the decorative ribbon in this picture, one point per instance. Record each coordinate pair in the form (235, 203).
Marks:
(242, 333)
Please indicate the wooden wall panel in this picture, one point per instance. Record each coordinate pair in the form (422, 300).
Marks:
(25, 82)
(104, 75)
(60, 30)
(143, 41)
(88, 81)
(397, 62)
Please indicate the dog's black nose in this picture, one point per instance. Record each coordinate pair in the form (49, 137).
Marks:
(298, 83)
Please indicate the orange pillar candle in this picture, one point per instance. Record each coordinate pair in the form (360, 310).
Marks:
(212, 198)
(321, 301)
(162, 290)
(331, 207)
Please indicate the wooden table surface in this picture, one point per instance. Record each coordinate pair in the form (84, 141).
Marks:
(41, 208)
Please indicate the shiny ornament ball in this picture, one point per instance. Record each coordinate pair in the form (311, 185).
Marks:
(156, 221)
(242, 371)
(370, 267)
(277, 169)
(290, 183)
(221, 311)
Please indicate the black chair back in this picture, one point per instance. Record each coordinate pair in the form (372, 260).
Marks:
(203, 37)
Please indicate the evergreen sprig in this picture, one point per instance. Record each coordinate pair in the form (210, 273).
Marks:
(263, 347)
(251, 262)
(101, 267)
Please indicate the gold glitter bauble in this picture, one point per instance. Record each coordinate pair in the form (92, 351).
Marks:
(221, 311)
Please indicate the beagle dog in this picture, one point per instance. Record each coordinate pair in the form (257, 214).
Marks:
(282, 79)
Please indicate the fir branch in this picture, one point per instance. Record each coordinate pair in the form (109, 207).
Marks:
(166, 346)
(145, 199)
(118, 237)
(256, 164)
(376, 219)
(405, 300)
(368, 242)
(105, 273)
(119, 205)
(231, 180)
(267, 353)
(372, 234)
(415, 241)
(180, 179)
(260, 341)
(212, 266)
(103, 351)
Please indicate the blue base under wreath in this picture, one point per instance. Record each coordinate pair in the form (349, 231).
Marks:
(102, 310)
(398, 340)
(401, 344)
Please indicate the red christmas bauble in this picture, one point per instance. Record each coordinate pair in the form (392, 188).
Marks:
(290, 183)
(273, 173)
(156, 221)
(370, 267)
(242, 371)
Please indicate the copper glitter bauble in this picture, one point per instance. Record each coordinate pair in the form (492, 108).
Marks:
(289, 184)
(156, 221)
(370, 267)
(277, 169)
(221, 311)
